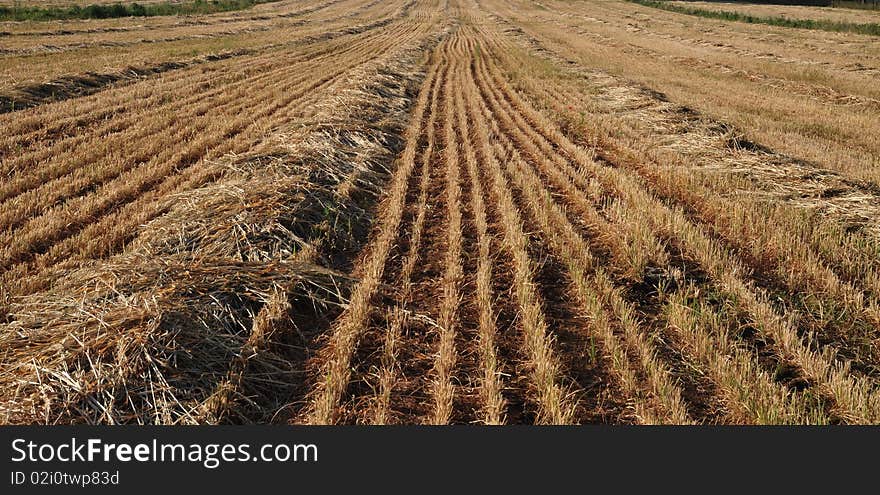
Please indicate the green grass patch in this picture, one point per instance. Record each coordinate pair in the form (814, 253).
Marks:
(108, 11)
(872, 29)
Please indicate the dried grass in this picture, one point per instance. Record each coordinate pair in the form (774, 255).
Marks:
(184, 326)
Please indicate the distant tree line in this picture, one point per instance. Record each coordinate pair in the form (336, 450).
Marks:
(106, 11)
(871, 4)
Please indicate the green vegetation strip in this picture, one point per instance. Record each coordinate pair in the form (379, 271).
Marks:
(823, 25)
(36, 13)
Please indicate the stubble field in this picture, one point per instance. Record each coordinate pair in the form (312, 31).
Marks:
(438, 211)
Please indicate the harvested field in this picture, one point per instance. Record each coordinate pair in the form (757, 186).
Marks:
(435, 212)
